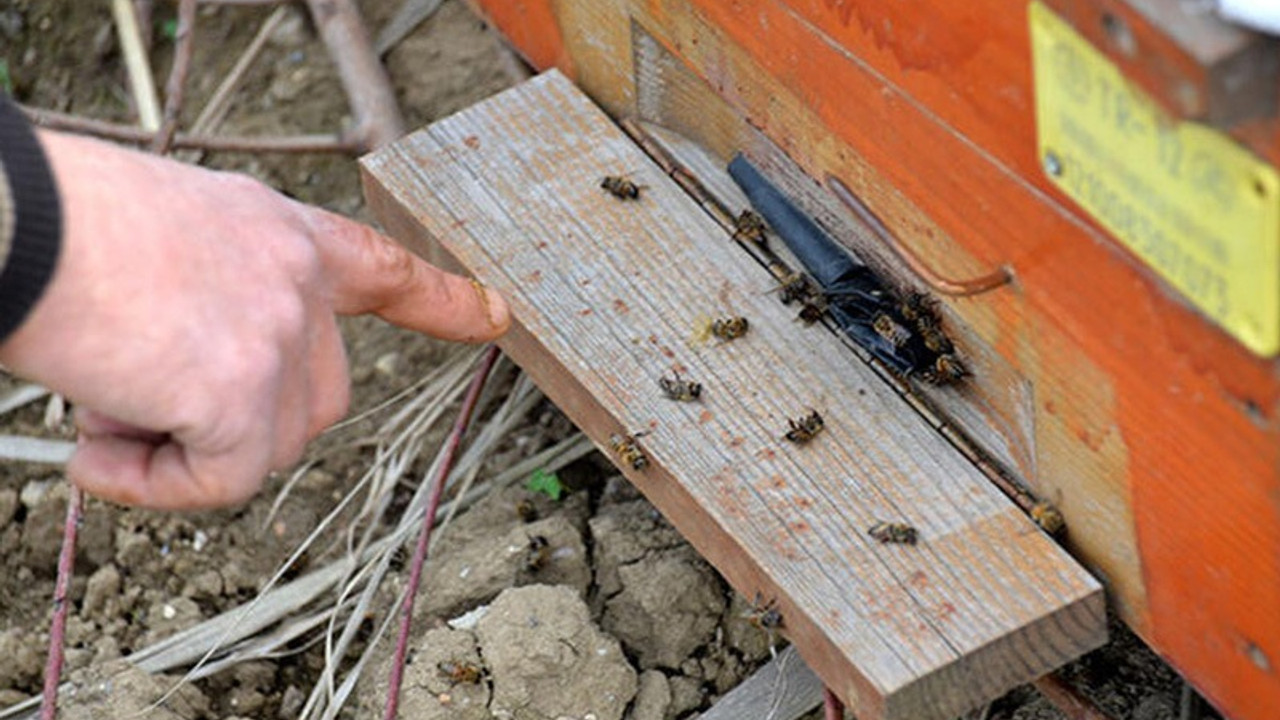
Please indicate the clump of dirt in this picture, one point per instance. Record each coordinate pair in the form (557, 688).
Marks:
(575, 601)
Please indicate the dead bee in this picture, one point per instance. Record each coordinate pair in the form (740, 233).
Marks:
(891, 532)
(749, 226)
(730, 328)
(946, 368)
(804, 429)
(621, 188)
(526, 511)
(628, 450)
(1048, 517)
(764, 615)
(460, 672)
(537, 554)
(682, 390)
(889, 329)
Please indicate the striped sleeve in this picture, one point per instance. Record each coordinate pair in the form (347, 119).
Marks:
(30, 219)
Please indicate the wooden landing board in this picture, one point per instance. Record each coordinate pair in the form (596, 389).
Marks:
(608, 295)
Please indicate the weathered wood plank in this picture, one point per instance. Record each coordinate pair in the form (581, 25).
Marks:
(608, 295)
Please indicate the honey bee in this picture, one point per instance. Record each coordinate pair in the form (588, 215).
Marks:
(918, 306)
(460, 671)
(811, 312)
(764, 615)
(537, 554)
(749, 226)
(621, 188)
(682, 390)
(628, 450)
(933, 337)
(1048, 517)
(795, 286)
(526, 511)
(803, 430)
(889, 329)
(730, 328)
(892, 532)
(946, 368)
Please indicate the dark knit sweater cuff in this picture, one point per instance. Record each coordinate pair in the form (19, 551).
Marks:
(37, 232)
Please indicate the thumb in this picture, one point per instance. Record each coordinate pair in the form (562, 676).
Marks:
(370, 273)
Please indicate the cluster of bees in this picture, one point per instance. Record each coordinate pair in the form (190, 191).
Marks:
(909, 328)
(902, 330)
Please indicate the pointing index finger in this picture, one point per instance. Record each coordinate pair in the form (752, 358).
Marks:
(370, 273)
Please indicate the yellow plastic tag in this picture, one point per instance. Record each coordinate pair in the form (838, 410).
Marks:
(1197, 208)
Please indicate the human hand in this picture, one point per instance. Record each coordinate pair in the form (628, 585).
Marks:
(191, 319)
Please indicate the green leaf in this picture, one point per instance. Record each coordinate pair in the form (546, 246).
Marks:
(169, 29)
(6, 82)
(546, 483)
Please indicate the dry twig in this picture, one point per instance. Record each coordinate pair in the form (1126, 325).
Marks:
(127, 133)
(373, 102)
(216, 108)
(58, 628)
(424, 536)
(175, 88)
(411, 14)
(137, 65)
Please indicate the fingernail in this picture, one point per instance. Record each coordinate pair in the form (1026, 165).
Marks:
(495, 306)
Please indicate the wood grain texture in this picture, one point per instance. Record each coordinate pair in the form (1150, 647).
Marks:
(1149, 422)
(1156, 433)
(607, 297)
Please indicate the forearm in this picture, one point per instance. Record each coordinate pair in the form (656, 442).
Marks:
(30, 220)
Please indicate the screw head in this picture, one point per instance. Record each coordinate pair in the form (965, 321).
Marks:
(1052, 164)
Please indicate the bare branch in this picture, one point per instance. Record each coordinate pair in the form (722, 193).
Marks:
(428, 520)
(373, 102)
(137, 65)
(58, 629)
(226, 143)
(174, 89)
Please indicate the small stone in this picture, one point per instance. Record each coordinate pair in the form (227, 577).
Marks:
(246, 701)
(133, 549)
(106, 649)
(686, 694)
(653, 697)
(103, 587)
(34, 492)
(207, 584)
(291, 703)
(318, 480)
(167, 617)
(21, 656)
(388, 364)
